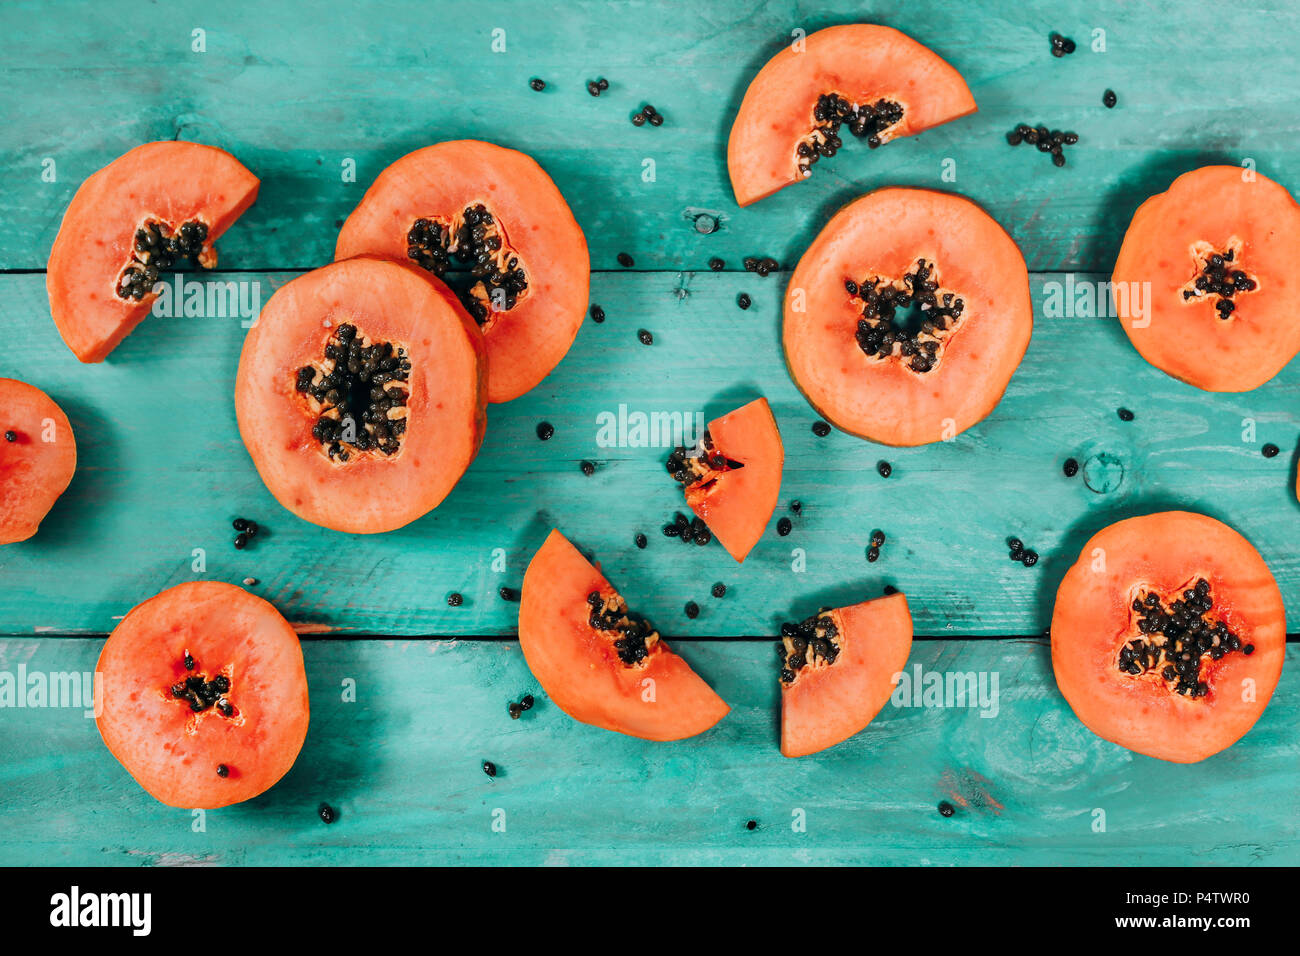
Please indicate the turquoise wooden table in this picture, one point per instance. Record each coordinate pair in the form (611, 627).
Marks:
(409, 695)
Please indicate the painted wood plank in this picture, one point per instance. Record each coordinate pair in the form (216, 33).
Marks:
(402, 767)
(162, 472)
(296, 97)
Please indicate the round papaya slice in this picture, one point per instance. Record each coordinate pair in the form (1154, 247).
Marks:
(1168, 635)
(601, 663)
(204, 695)
(360, 394)
(907, 316)
(37, 458)
(491, 223)
(867, 80)
(838, 670)
(1207, 277)
(732, 479)
(143, 214)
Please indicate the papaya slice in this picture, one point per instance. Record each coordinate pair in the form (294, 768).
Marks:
(732, 480)
(360, 394)
(1168, 635)
(1207, 277)
(871, 81)
(601, 663)
(38, 456)
(492, 213)
(204, 695)
(140, 216)
(838, 670)
(907, 316)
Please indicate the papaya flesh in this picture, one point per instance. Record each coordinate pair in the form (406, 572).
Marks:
(826, 701)
(38, 456)
(140, 215)
(907, 316)
(733, 486)
(473, 207)
(640, 688)
(1171, 583)
(885, 84)
(1225, 324)
(204, 695)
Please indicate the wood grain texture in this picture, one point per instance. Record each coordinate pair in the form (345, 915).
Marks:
(294, 97)
(162, 472)
(402, 767)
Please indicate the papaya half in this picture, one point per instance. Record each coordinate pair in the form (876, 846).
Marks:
(1205, 278)
(871, 81)
(598, 661)
(1168, 635)
(38, 458)
(360, 394)
(146, 212)
(203, 695)
(490, 222)
(907, 316)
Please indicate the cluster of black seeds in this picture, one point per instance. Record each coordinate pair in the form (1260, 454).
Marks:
(1017, 551)
(807, 642)
(1178, 638)
(1218, 278)
(516, 708)
(598, 86)
(688, 530)
(763, 266)
(357, 385)
(1061, 46)
(881, 299)
(497, 278)
(1051, 141)
(201, 693)
(648, 114)
(157, 248)
(865, 121)
(246, 530)
(688, 467)
(637, 636)
(877, 542)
